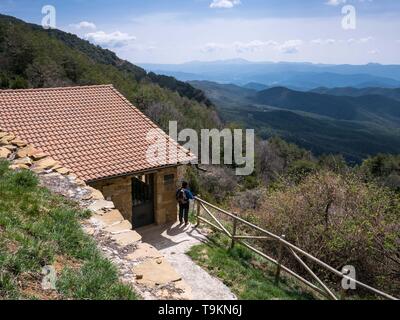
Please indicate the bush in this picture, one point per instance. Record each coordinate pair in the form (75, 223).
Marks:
(342, 221)
(218, 183)
(383, 169)
(249, 200)
(300, 169)
(334, 163)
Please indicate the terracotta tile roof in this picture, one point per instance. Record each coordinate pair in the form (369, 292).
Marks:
(94, 131)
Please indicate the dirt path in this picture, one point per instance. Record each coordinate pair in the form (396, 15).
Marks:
(173, 242)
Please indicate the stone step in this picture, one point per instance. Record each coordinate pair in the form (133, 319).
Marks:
(119, 227)
(100, 205)
(155, 272)
(108, 219)
(144, 251)
(126, 238)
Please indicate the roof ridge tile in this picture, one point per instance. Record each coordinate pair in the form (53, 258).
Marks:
(58, 88)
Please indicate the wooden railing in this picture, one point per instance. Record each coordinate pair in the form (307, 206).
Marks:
(282, 245)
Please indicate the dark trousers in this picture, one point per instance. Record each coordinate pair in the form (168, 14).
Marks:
(184, 212)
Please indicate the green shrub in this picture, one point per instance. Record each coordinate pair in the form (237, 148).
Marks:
(342, 221)
(300, 169)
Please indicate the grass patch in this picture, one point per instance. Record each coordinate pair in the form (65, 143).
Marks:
(38, 229)
(249, 277)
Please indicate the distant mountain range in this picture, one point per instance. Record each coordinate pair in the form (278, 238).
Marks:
(298, 76)
(356, 92)
(357, 123)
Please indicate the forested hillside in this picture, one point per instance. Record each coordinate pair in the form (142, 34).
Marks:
(358, 92)
(363, 108)
(31, 57)
(355, 125)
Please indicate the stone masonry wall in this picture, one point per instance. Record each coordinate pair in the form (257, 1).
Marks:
(119, 191)
(165, 188)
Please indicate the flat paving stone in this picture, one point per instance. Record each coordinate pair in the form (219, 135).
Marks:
(144, 251)
(153, 272)
(100, 205)
(119, 227)
(126, 238)
(110, 218)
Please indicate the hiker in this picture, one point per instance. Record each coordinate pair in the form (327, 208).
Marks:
(183, 196)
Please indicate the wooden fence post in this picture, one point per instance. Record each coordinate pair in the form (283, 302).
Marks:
(234, 233)
(198, 212)
(280, 256)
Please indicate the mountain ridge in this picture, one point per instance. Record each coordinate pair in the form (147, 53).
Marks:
(297, 75)
(107, 57)
(337, 107)
(32, 57)
(356, 127)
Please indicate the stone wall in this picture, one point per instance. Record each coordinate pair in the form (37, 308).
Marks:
(119, 191)
(165, 188)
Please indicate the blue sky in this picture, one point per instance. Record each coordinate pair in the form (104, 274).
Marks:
(175, 31)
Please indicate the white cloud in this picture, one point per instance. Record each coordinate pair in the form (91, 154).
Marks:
(290, 46)
(365, 40)
(335, 2)
(252, 46)
(338, 41)
(323, 41)
(373, 52)
(213, 47)
(339, 2)
(224, 4)
(115, 39)
(361, 40)
(84, 25)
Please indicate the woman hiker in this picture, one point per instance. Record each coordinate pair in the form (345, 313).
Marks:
(183, 196)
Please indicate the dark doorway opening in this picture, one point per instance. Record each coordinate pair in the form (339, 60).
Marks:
(143, 200)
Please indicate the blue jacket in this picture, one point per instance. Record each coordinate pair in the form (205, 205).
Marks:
(188, 193)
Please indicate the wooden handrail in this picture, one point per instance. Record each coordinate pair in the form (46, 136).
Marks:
(322, 284)
(291, 247)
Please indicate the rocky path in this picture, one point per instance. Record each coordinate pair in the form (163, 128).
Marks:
(173, 241)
